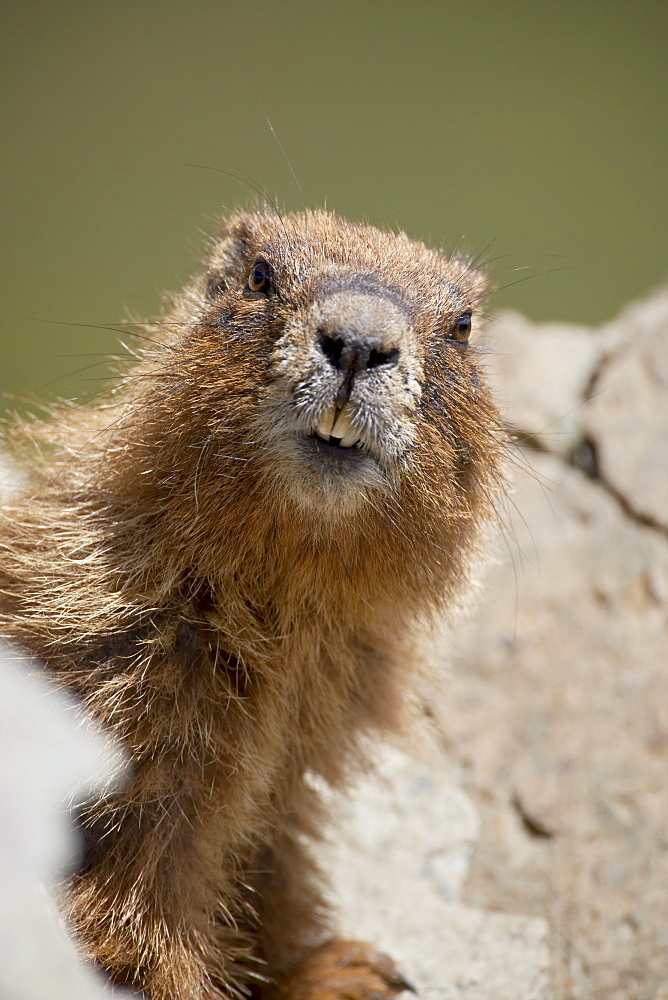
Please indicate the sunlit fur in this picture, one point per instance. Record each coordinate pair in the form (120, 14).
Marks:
(238, 610)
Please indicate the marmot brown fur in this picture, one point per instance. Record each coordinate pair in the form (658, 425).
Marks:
(225, 559)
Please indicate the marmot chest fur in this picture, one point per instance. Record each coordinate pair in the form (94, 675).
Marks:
(224, 558)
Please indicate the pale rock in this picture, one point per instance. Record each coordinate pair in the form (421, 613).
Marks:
(557, 711)
(540, 374)
(627, 414)
(397, 858)
(50, 753)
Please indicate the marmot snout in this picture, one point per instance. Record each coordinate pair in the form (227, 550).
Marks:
(350, 374)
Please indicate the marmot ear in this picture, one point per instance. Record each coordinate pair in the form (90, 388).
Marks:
(229, 258)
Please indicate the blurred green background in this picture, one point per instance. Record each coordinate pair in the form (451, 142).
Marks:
(535, 129)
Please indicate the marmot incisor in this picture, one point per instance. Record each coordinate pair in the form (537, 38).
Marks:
(225, 559)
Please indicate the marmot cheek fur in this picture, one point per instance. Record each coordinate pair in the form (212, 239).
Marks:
(225, 559)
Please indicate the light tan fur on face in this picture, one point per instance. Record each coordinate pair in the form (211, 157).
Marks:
(233, 595)
(380, 409)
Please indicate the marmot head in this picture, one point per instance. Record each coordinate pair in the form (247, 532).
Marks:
(346, 353)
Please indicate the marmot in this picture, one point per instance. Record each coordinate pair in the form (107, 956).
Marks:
(225, 558)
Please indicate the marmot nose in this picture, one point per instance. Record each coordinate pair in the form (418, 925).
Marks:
(350, 352)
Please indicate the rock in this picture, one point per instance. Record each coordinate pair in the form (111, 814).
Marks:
(556, 707)
(556, 362)
(50, 753)
(626, 415)
(399, 851)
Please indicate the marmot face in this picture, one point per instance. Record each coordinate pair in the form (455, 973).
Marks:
(363, 332)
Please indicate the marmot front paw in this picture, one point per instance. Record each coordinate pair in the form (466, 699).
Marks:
(345, 970)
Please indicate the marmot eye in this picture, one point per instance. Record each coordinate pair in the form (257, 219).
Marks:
(461, 328)
(259, 279)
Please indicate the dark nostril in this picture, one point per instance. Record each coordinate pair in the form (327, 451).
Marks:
(355, 354)
(377, 358)
(332, 348)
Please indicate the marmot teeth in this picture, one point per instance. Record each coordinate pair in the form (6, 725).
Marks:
(337, 426)
(325, 424)
(349, 439)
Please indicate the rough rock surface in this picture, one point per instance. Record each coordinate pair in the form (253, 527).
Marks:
(398, 856)
(50, 753)
(557, 708)
(627, 415)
